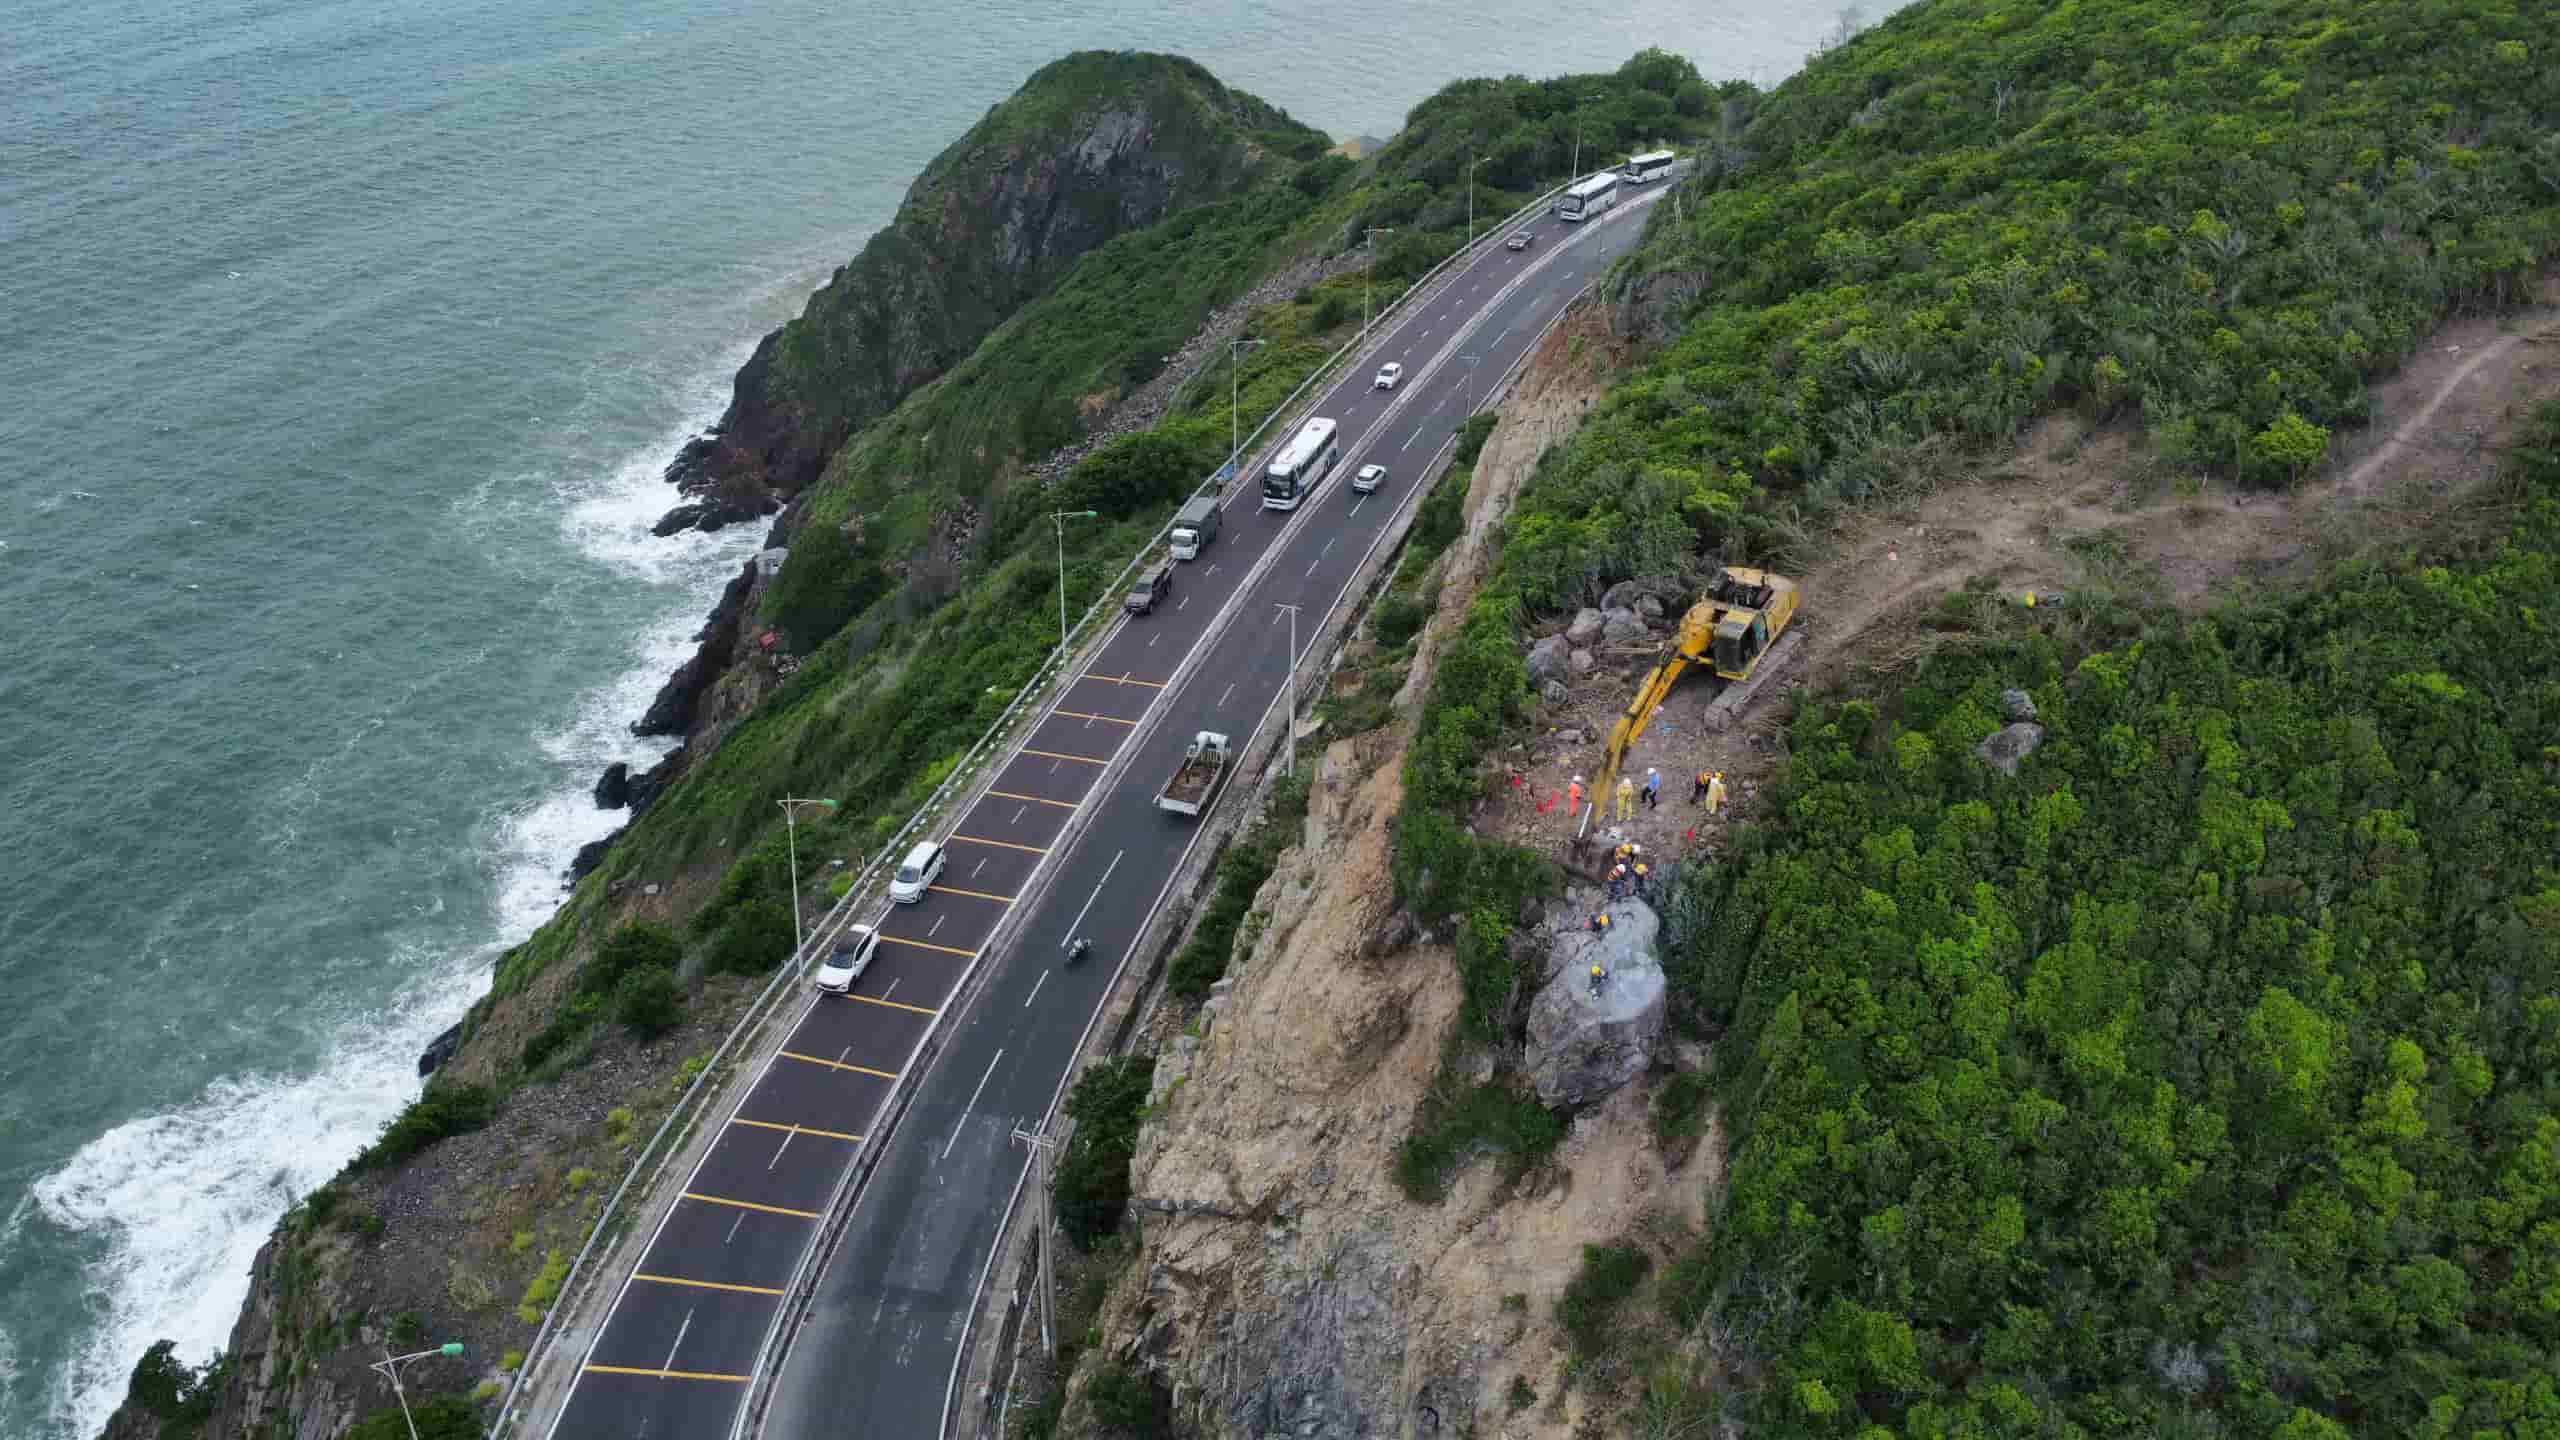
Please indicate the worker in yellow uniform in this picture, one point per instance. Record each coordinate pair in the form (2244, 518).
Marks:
(1641, 892)
(1626, 798)
(1715, 794)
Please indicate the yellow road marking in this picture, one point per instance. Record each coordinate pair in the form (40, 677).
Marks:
(1055, 755)
(1034, 799)
(706, 1284)
(1009, 845)
(890, 1004)
(837, 1065)
(1081, 715)
(929, 945)
(751, 1205)
(973, 894)
(797, 1129)
(665, 1374)
(1123, 679)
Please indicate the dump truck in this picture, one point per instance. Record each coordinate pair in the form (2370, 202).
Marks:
(1203, 761)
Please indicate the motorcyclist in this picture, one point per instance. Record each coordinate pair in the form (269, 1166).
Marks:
(1082, 948)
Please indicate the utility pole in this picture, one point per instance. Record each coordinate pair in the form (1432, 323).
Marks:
(791, 827)
(1370, 241)
(1235, 441)
(1060, 519)
(1289, 739)
(1041, 1145)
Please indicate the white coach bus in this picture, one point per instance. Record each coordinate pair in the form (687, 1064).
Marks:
(1309, 456)
(1645, 168)
(1589, 197)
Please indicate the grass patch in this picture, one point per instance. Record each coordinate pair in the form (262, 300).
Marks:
(445, 1110)
(1588, 1310)
(1458, 1121)
(545, 1287)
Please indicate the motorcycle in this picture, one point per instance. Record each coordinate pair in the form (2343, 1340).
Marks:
(1079, 950)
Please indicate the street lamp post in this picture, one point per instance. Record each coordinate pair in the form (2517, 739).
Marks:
(1289, 737)
(791, 830)
(1235, 425)
(389, 1367)
(1471, 198)
(1370, 240)
(1060, 519)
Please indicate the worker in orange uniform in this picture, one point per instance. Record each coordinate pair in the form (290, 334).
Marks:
(1698, 791)
(1573, 798)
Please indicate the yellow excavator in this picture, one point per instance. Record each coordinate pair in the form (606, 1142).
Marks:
(1732, 628)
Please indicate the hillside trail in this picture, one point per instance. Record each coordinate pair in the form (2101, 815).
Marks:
(2073, 505)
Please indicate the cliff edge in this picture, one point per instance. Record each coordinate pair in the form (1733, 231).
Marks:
(1094, 145)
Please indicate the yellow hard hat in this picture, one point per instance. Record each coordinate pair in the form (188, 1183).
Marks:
(1641, 870)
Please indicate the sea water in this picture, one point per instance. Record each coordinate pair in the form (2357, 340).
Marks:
(342, 343)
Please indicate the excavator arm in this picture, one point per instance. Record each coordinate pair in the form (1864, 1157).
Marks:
(1649, 697)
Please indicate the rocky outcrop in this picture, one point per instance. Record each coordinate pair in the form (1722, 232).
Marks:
(613, 787)
(1586, 626)
(1093, 146)
(1622, 627)
(1587, 1036)
(1549, 659)
(2007, 747)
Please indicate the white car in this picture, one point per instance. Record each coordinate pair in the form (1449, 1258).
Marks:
(849, 959)
(1367, 479)
(917, 871)
(1390, 375)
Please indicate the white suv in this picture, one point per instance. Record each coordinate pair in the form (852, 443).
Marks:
(849, 959)
(917, 871)
(1389, 375)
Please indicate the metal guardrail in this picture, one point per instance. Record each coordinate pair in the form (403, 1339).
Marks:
(687, 1110)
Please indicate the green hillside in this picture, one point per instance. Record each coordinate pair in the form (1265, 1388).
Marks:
(2205, 1078)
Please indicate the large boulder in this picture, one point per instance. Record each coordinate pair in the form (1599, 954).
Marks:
(2017, 706)
(1585, 627)
(1585, 1043)
(1623, 627)
(1650, 609)
(2006, 746)
(1630, 595)
(1550, 659)
(613, 788)
(1583, 662)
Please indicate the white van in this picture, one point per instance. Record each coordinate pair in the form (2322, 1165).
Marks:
(917, 871)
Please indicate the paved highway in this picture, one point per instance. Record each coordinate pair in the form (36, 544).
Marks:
(875, 1351)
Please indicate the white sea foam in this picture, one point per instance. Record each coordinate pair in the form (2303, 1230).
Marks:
(182, 1200)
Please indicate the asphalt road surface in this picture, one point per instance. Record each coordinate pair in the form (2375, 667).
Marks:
(875, 1351)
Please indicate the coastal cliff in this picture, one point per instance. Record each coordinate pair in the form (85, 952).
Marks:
(1094, 145)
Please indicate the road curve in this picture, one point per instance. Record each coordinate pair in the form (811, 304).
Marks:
(875, 1348)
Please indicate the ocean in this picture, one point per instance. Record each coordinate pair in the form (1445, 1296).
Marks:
(343, 343)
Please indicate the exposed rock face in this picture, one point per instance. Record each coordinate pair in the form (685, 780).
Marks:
(613, 787)
(1093, 146)
(2004, 748)
(1549, 659)
(1586, 1041)
(2017, 706)
(1585, 627)
(671, 713)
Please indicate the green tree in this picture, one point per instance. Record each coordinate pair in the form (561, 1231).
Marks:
(649, 1001)
(826, 580)
(754, 938)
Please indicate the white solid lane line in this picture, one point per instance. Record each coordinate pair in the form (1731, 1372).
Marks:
(972, 1105)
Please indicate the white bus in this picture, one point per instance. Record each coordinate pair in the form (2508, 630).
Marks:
(1589, 197)
(1652, 165)
(1292, 474)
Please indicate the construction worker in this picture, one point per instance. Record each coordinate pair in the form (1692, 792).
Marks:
(1715, 794)
(1599, 977)
(1626, 798)
(1652, 789)
(1573, 798)
(1600, 922)
(1617, 882)
(1641, 893)
(1698, 791)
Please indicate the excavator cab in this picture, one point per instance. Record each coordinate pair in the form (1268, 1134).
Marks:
(1740, 638)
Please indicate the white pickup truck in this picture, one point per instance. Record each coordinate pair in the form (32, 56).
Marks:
(1187, 793)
